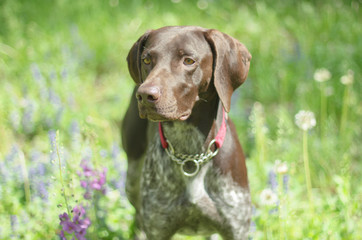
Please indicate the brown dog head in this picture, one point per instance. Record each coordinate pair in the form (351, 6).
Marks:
(174, 65)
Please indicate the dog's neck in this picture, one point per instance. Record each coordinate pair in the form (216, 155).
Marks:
(205, 112)
(193, 135)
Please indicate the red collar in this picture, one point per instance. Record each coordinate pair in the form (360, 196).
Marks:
(219, 139)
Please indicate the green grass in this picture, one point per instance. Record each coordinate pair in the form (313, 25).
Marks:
(63, 68)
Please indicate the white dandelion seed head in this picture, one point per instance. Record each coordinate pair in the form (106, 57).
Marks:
(305, 120)
(280, 167)
(268, 197)
(202, 4)
(322, 75)
(348, 78)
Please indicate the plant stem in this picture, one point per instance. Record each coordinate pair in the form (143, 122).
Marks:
(344, 109)
(281, 206)
(307, 169)
(260, 141)
(323, 108)
(25, 177)
(60, 174)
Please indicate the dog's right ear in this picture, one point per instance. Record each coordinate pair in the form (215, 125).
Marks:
(134, 58)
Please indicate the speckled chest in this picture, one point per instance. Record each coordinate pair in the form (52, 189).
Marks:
(203, 204)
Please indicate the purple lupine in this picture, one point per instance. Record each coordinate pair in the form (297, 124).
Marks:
(103, 153)
(36, 72)
(15, 119)
(120, 182)
(82, 50)
(27, 120)
(59, 114)
(115, 151)
(272, 181)
(52, 140)
(285, 183)
(52, 75)
(12, 169)
(54, 97)
(6, 171)
(39, 184)
(74, 128)
(13, 223)
(39, 79)
(75, 135)
(64, 73)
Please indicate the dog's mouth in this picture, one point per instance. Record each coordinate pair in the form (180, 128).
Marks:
(162, 114)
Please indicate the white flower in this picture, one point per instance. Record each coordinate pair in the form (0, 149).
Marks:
(280, 167)
(322, 75)
(348, 78)
(268, 197)
(202, 4)
(305, 120)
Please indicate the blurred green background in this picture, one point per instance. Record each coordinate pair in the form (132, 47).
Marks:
(63, 68)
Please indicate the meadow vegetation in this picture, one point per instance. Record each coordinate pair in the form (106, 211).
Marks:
(64, 87)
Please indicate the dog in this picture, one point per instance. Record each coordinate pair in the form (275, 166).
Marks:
(186, 168)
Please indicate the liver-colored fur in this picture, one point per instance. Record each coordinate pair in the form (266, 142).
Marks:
(187, 96)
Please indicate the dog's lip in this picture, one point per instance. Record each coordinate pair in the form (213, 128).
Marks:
(152, 113)
(185, 116)
(154, 116)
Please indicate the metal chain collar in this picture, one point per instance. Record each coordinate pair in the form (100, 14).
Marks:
(196, 159)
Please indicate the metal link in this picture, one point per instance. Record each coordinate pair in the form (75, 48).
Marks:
(197, 159)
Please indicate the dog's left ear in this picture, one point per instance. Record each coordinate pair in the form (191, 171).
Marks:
(134, 58)
(231, 64)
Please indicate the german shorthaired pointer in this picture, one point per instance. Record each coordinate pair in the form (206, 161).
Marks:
(186, 168)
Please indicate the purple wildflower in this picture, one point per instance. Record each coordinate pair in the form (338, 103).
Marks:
(14, 119)
(52, 140)
(13, 222)
(39, 80)
(74, 128)
(54, 97)
(78, 225)
(37, 175)
(83, 184)
(120, 182)
(63, 217)
(103, 153)
(87, 171)
(62, 236)
(27, 120)
(52, 75)
(92, 179)
(272, 181)
(70, 227)
(78, 211)
(59, 114)
(36, 72)
(87, 195)
(115, 151)
(285, 183)
(64, 73)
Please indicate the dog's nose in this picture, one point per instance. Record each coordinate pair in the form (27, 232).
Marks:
(149, 94)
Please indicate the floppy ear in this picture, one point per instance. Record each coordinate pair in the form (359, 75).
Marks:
(231, 64)
(134, 58)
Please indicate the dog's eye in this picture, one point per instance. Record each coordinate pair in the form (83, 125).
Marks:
(147, 60)
(189, 61)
